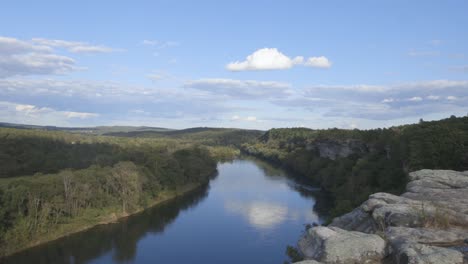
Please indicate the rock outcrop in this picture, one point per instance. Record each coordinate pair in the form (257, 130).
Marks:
(333, 149)
(335, 245)
(426, 224)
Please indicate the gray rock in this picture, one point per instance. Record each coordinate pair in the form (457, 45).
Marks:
(333, 149)
(426, 224)
(335, 245)
(430, 236)
(356, 220)
(309, 261)
(414, 253)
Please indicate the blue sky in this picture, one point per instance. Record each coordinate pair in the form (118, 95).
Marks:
(248, 64)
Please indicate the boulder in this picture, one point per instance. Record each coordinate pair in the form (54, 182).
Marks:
(338, 246)
(414, 253)
(426, 224)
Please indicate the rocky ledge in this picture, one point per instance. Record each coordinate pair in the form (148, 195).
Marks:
(427, 224)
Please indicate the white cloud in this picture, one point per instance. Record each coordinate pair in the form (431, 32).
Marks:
(259, 214)
(22, 58)
(247, 118)
(32, 114)
(80, 115)
(74, 46)
(273, 59)
(32, 110)
(384, 102)
(415, 99)
(318, 62)
(15, 46)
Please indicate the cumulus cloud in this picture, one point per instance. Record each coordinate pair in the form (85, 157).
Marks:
(22, 58)
(273, 59)
(241, 89)
(318, 62)
(74, 46)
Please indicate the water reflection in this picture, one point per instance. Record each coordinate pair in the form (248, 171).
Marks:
(259, 214)
(249, 212)
(120, 238)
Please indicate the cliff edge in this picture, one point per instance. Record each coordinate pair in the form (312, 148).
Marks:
(427, 224)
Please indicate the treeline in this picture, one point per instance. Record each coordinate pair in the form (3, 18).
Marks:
(226, 137)
(54, 183)
(352, 164)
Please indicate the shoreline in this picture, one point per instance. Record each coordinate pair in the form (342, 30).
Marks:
(109, 219)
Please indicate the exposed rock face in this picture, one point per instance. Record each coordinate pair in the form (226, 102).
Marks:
(335, 245)
(333, 149)
(427, 224)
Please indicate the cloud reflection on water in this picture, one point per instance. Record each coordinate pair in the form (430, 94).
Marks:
(268, 215)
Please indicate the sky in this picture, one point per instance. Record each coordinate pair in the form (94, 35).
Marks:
(245, 64)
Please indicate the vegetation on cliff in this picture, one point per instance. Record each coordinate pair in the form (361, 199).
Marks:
(352, 164)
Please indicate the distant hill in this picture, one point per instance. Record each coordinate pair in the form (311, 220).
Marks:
(205, 135)
(98, 130)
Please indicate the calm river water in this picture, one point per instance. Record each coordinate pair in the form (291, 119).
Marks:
(248, 213)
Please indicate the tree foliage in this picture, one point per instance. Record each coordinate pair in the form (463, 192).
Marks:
(52, 180)
(380, 163)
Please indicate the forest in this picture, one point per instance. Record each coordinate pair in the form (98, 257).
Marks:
(366, 161)
(53, 182)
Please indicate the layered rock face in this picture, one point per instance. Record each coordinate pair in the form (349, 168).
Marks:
(427, 224)
(334, 149)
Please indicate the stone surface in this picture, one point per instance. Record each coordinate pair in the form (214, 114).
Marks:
(426, 224)
(335, 245)
(308, 262)
(414, 253)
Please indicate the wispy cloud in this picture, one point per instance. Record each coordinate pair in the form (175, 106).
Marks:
(160, 44)
(423, 53)
(75, 46)
(385, 102)
(32, 114)
(19, 58)
(241, 89)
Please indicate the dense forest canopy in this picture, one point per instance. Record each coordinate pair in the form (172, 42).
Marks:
(54, 182)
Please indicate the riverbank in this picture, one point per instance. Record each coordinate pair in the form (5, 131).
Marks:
(93, 217)
(427, 224)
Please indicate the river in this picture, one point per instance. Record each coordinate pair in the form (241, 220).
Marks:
(248, 213)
